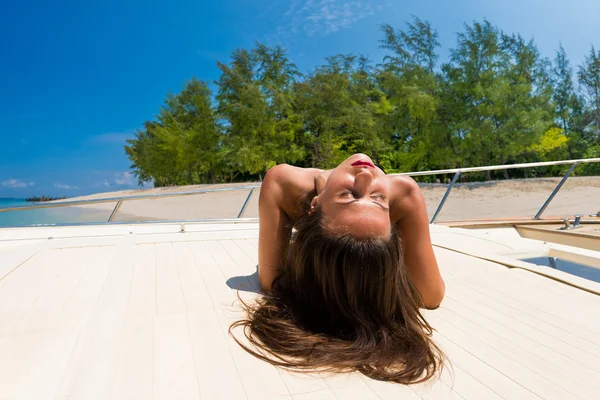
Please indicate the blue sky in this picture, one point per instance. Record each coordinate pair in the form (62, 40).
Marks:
(78, 77)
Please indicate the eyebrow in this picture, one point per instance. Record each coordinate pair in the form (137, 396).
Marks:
(355, 200)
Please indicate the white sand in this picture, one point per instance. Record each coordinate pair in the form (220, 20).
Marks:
(467, 201)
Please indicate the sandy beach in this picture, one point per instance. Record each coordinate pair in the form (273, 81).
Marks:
(495, 199)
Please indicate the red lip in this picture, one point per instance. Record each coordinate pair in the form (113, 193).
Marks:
(363, 163)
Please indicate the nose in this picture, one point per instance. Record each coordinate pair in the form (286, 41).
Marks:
(362, 181)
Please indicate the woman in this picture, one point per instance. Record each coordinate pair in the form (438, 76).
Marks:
(344, 294)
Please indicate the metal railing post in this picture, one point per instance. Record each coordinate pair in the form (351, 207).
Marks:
(115, 210)
(439, 208)
(245, 204)
(555, 191)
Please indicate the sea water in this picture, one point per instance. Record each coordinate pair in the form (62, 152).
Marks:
(46, 216)
(570, 267)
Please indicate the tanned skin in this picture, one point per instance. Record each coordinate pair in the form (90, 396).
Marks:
(358, 199)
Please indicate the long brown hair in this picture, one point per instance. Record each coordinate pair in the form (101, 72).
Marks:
(343, 304)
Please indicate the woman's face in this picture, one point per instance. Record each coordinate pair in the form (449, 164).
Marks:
(355, 198)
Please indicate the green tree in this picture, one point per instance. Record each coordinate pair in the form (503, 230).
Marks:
(495, 101)
(568, 106)
(501, 91)
(255, 97)
(184, 145)
(589, 80)
(340, 105)
(417, 127)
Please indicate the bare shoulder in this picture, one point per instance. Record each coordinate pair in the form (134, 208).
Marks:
(406, 196)
(278, 172)
(285, 184)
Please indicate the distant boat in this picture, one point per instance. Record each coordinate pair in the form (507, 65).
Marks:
(38, 199)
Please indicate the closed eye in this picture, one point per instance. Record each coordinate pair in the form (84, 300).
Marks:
(376, 196)
(346, 193)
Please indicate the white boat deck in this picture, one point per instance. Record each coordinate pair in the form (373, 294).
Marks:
(142, 311)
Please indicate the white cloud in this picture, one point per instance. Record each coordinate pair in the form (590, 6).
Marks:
(125, 178)
(322, 17)
(121, 180)
(66, 187)
(16, 184)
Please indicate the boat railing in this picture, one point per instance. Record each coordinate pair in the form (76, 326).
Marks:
(457, 172)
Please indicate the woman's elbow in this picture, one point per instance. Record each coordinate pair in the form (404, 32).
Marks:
(435, 297)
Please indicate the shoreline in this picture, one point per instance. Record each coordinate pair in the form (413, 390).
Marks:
(470, 200)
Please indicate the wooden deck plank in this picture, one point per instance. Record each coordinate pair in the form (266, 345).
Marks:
(215, 370)
(465, 385)
(436, 391)
(169, 298)
(521, 364)
(20, 290)
(553, 289)
(248, 249)
(516, 293)
(306, 386)
(506, 275)
(565, 363)
(48, 306)
(346, 386)
(135, 365)
(390, 391)
(47, 342)
(45, 355)
(93, 369)
(12, 258)
(142, 297)
(522, 324)
(225, 260)
(543, 386)
(174, 372)
(253, 242)
(246, 263)
(495, 288)
(134, 369)
(259, 380)
(193, 288)
(521, 288)
(564, 342)
(488, 376)
(157, 325)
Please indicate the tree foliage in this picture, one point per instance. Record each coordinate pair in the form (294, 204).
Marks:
(494, 101)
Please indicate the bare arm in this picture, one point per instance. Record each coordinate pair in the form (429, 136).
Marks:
(419, 259)
(282, 187)
(274, 229)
